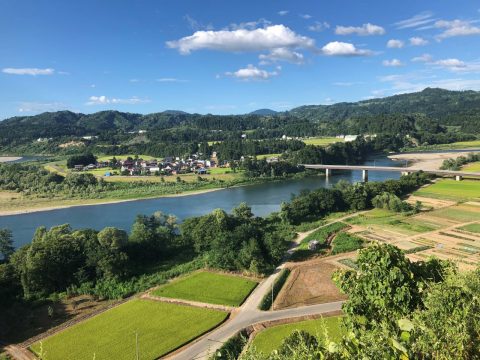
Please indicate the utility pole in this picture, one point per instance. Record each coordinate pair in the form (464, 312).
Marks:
(272, 294)
(136, 344)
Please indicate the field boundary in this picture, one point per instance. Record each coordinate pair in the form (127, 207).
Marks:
(188, 302)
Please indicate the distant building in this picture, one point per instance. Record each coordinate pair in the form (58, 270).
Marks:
(350, 138)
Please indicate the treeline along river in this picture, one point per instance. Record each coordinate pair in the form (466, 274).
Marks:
(263, 198)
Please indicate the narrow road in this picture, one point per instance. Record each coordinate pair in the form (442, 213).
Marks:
(248, 314)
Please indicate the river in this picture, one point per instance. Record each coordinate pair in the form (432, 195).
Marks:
(263, 198)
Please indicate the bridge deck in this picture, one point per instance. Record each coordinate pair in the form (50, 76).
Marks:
(391, 169)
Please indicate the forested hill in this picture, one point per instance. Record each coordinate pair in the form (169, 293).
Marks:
(454, 108)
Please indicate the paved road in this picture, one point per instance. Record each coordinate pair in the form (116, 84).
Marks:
(248, 314)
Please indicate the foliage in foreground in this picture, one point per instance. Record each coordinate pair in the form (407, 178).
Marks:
(397, 309)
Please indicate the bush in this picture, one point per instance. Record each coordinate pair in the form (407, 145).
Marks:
(232, 348)
(345, 242)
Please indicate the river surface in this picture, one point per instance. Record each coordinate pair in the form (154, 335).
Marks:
(263, 198)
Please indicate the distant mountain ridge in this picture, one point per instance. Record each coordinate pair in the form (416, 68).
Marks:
(447, 108)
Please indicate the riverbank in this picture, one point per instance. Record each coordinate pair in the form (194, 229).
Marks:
(9, 158)
(429, 160)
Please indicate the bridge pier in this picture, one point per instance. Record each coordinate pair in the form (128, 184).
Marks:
(458, 177)
(365, 175)
(328, 172)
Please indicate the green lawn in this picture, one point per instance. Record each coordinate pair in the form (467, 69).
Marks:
(474, 228)
(321, 141)
(266, 156)
(210, 288)
(161, 328)
(472, 167)
(456, 213)
(271, 338)
(452, 190)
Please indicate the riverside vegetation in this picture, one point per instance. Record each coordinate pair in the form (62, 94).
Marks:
(113, 264)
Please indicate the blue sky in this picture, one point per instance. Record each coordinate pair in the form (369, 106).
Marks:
(224, 57)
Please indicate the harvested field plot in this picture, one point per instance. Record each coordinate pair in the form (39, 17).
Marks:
(271, 338)
(308, 284)
(210, 288)
(161, 328)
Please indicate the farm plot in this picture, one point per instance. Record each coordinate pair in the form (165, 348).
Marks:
(459, 214)
(308, 284)
(452, 190)
(160, 327)
(210, 288)
(271, 338)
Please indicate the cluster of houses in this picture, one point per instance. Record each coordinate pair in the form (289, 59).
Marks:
(141, 167)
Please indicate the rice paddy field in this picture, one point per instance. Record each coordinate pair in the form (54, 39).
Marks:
(321, 141)
(208, 287)
(271, 338)
(160, 327)
(452, 190)
(473, 167)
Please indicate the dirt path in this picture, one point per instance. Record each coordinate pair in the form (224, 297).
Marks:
(19, 353)
(188, 303)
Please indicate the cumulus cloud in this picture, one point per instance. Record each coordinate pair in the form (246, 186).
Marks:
(337, 48)
(28, 71)
(420, 19)
(282, 54)
(104, 100)
(252, 73)
(249, 25)
(423, 58)
(242, 40)
(455, 28)
(458, 66)
(395, 44)
(418, 41)
(283, 12)
(319, 26)
(364, 30)
(392, 63)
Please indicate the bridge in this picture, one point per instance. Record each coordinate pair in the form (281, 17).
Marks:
(458, 175)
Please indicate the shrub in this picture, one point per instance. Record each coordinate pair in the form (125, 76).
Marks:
(277, 286)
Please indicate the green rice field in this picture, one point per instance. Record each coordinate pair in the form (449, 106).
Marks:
(271, 338)
(161, 328)
(210, 288)
(452, 190)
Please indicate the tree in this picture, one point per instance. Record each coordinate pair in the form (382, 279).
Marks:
(6, 243)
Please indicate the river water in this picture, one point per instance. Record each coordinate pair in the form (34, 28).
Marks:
(263, 198)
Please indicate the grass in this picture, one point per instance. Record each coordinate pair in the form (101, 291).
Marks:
(271, 338)
(267, 300)
(452, 190)
(210, 288)
(473, 167)
(161, 328)
(265, 156)
(345, 242)
(322, 234)
(321, 141)
(452, 146)
(457, 213)
(124, 157)
(474, 228)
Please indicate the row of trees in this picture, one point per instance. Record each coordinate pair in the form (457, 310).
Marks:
(456, 164)
(311, 205)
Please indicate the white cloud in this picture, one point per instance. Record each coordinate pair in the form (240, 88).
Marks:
(319, 26)
(104, 100)
(456, 28)
(364, 30)
(345, 83)
(395, 44)
(37, 107)
(337, 48)
(28, 71)
(392, 63)
(412, 82)
(415, 21)
(458, 66)
(305, 16)
(252, 73)
(196, 25)
(241, 40)
(418, 41)
(423, 58)
(249, 25)
(283, 12)
(282, 54)
(171, 80)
